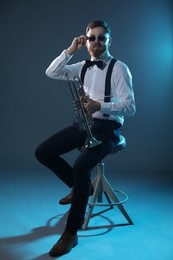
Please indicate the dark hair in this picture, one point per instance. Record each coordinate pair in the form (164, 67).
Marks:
(99, 24)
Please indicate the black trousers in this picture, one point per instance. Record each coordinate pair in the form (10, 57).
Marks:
(50, 152)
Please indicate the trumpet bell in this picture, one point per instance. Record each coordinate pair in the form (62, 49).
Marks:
(92, 142)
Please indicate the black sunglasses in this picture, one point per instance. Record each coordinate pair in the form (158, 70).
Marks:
(100, 38)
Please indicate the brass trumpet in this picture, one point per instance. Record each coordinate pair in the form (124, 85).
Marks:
(86, 121)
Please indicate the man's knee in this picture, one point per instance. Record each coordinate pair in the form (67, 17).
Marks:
(40, 155)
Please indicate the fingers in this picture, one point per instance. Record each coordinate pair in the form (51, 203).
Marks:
(92, 106)
(88, 105)
(77, 44)
(81, 39)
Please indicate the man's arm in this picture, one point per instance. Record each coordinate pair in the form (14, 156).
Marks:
(122, 98)
(59, 68)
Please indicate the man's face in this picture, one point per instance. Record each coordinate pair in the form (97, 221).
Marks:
(98, 42)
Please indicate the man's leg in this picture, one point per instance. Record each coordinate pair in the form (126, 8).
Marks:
(49, 151)
(86, 161)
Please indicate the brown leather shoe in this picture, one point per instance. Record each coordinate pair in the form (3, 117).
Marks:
(64, 244)
(68, 199)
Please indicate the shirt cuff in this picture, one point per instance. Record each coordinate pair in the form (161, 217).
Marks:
(68, 56)
(105, 107)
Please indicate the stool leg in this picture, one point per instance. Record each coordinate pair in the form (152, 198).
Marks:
(109, 190)
(101, 185)
(93, 200)
(98, 189)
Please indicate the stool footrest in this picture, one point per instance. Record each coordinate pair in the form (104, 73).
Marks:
(109, 203)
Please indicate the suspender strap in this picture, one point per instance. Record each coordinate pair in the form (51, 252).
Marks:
(83, 72)
(108, 81)
(107, 97)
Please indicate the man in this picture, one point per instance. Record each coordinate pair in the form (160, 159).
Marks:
(108, 116)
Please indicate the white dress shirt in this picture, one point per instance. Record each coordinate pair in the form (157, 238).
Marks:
(122, 102)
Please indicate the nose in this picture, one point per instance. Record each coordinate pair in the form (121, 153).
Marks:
(96, 40)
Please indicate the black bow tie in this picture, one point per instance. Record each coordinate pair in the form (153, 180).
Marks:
(90, 63)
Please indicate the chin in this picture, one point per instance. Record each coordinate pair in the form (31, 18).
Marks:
(96, 53)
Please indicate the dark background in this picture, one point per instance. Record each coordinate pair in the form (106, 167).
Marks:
(32, 106)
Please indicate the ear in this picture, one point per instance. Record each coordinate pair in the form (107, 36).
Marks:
(110, 41)
(86, 44)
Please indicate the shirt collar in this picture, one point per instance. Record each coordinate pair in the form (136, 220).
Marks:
(104, 57)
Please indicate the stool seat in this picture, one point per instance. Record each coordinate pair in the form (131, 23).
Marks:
(120, 145)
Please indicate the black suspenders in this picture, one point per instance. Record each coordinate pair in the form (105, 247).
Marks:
(83, 73)
(107, 81)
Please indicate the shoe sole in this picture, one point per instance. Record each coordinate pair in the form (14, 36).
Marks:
(56, 255)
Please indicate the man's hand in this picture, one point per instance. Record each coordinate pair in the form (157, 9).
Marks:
(91, 106)
(77, 44)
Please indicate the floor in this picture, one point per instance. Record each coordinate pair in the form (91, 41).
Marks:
(32, 220)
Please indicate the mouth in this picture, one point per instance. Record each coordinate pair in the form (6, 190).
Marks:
(97, 46)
